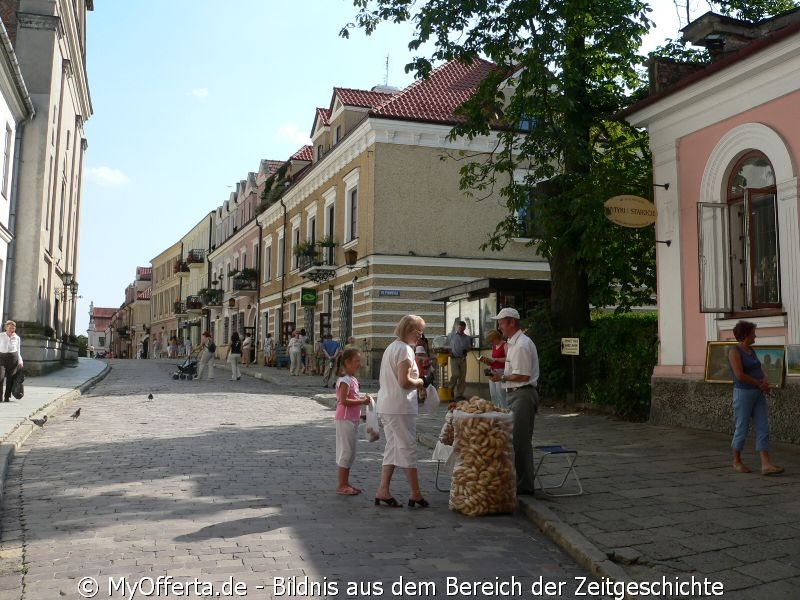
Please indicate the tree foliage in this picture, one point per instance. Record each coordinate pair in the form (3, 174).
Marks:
(753, 10)
(565, 67)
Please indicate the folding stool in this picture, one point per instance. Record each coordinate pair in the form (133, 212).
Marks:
(570, 456)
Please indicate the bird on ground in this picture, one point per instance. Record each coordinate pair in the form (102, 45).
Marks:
(150, 396)
(76, 414)
(40, 422)
(443, 254)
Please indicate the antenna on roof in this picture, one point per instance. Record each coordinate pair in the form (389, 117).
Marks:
(386, 76)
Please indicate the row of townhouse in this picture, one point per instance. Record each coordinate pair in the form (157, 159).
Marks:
(44, 103)
(364, 225)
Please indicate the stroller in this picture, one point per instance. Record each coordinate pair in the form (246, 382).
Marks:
(186, 370)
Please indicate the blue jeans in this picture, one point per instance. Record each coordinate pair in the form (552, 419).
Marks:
(750, 405)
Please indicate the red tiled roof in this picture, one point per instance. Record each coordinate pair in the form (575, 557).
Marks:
(363, 98)
(436, 98)
(305, 153)
(144, 294)
(324, 115)
(102, 313)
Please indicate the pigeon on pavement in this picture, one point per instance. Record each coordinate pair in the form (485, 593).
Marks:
(40, 422)
(76, 414)
(150, 396)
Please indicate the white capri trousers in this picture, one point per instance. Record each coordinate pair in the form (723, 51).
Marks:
(401, 440)
(346, 433)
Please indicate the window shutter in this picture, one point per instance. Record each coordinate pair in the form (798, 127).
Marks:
(715, 266)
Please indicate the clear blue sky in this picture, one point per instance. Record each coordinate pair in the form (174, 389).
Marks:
(189, 96)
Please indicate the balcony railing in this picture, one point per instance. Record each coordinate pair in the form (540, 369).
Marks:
(317, 263)
(179, 308)
(213, 297)
(196, 256)
(180, 267)
(194, 303)
(241, 284)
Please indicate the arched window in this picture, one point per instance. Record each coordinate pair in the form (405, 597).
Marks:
(739, 256)
(751, 196)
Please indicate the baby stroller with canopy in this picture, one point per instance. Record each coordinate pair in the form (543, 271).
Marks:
(187, 369)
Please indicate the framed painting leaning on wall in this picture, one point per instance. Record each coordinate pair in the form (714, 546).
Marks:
(717, 368)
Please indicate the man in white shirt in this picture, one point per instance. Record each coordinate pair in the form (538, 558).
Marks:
(520, 380)
(10, 357)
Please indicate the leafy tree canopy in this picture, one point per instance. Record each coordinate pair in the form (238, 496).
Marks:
(564, 70)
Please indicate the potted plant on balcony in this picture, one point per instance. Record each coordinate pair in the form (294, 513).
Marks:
(247, 274)
(327, 242)
(304, 249)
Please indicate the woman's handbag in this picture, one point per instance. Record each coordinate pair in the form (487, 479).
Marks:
(17, 389)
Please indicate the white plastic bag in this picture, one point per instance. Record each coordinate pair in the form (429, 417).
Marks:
(372, 431)
(431, 406)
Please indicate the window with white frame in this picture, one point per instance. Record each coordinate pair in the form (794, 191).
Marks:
(267, 270)
(351, 206)
(6, 160)
(281, 256)
(739, 255)
(295, 244)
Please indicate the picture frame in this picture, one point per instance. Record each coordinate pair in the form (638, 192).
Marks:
(773, 360)
(717, 368)
(793, 360)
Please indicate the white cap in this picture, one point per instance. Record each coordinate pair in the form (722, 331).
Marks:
(507, 312)
(419, 350)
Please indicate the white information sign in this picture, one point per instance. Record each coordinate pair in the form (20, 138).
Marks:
(570, 346)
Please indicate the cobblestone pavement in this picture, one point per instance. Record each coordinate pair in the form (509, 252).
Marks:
(232, 481)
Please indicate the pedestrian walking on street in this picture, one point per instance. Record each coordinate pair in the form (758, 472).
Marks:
(10, 358)
(207, 349)
(234, 356)
(398, 409)
(750, 387)
(460, 343)
(295, 348)
(520, 380)
(348, 415)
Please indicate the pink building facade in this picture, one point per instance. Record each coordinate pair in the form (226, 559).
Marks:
(727, 141)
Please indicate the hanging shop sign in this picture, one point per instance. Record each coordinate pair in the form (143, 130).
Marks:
(630, 211)
(308, 297)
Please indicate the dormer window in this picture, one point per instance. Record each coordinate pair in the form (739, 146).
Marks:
(337, 134)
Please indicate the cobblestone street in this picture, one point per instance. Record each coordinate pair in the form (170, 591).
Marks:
(233, 481)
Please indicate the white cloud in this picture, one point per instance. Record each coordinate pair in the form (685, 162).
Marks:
(290, 132)
(201, 93)
(106, 176)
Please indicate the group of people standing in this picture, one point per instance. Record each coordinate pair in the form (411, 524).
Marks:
(398, 405)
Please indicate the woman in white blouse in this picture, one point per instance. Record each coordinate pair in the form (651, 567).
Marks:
(10, 357)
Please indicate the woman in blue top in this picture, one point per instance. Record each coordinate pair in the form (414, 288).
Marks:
(749, 402)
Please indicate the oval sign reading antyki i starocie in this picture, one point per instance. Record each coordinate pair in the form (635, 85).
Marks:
(630, 211)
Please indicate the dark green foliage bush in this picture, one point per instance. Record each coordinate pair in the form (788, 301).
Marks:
(618, 353)
(621, 351)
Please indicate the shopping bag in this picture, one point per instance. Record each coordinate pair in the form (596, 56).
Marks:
(17, 388)
(431, 406)
(372, 431)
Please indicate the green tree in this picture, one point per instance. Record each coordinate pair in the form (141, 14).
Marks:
(564, 69)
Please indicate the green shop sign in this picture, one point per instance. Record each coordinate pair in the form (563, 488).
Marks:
(308, 297)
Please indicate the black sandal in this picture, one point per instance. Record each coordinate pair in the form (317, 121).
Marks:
(422, 503)
(388, 502)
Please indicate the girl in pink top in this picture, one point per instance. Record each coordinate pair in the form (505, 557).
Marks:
(348, 414)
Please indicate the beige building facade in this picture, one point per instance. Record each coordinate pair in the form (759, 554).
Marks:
(383, 186)
(49, 38)
(166, 291)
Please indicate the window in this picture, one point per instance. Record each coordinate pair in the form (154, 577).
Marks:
(739, 257)
(527, 226)
(295, 244)
(352, 215)
(337, 134)
(6, 160)
(319, 152)
(281, 255)
(268, 261)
